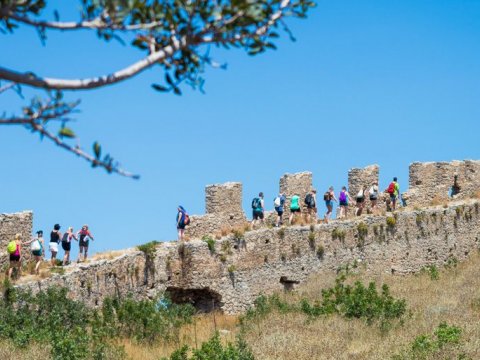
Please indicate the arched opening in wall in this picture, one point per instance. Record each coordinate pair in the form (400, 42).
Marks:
(288, 284)
(204, 299)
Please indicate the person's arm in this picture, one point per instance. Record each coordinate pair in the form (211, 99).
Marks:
(59, 237)
(75, 236)
(90, 236)
(262, 204)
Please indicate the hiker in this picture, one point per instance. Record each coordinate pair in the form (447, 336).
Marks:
(360, 201)
(373, 195)
(258, 209)
(84, 235)
(279, 203)
(67, 244)
(344, 198)
(182, 221)
(329, 198)
(55, 236)
(14, 249)
(393, 190)
(36, 246)
(311, 203)
(294, 208)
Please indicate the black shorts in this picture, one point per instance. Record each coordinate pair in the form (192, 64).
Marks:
(373, 198)
(343, 203)
(360, 200)
(295, 210)
(257, 215)
(14, 257)
(83, 243)
(66, 246)
(279, 212)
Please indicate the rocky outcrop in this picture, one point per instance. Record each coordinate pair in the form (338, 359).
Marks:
(11, 224)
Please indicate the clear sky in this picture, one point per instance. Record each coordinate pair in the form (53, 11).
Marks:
(387, 82)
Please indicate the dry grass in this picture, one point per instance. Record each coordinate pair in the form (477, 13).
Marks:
(109, 255)
(454, 298)
(34, 352)
(204, 327)
(476, 195)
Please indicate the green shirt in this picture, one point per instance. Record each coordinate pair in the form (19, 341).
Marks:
(295, 203)
(397, 189)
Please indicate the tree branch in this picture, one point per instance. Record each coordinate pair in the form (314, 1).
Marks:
(33, 80)
(97, 24)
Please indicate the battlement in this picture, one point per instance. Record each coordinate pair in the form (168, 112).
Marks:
(429, 184)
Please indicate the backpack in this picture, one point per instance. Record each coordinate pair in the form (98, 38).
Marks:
(391, 188)
(327, 196)
(342, 197)
(372, 191)
(360, 195)
(12, 247)
(65, 238)
(186, 220)
(36, 245)
(309, 200)
(277, 202)
(256, 203)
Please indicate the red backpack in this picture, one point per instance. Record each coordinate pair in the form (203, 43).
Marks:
(186, 220)
(391, 188)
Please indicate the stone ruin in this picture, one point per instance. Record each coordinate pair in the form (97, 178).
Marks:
(242, 266)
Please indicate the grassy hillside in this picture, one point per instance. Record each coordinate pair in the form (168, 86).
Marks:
(448, 295)
(440, 321)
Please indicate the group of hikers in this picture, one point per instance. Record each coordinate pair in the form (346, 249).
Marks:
(344, 199)
(310, 202)
(37, 247)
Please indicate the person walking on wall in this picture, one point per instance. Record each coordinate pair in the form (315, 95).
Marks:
(14, 249)
(294, 208)
(258, 209)
(393, 190)
(55, 236)
(279, 204)
(311, 203)
(67, 244)
(183, 219)
(344, 198)
(373, 195)
(84, 235)
(329, 198)
(360, 201)
(37, 247)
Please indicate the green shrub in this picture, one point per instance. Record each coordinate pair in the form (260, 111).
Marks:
(320, 251)
(214, 350)
(432, 271)
(391, 222)
(231, 269)
(226, 247)
(429, 347)
(74, 332)
(420, 218)
(238, 234)
(357, 301)
(362, 229)
(210, 243)
(311, 237)
(149, 248)
(281, 233)
(338, 234)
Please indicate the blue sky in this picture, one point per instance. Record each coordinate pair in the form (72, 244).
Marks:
(387, 82)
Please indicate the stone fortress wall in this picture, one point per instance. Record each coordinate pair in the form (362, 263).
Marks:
(11, 224)
(244, 265)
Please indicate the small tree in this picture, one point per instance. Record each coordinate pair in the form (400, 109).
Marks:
(174, 36)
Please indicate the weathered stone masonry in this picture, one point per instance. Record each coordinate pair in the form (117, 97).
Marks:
(269, 260)
(243, 266)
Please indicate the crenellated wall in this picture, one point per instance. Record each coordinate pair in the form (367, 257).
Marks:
(431, 182)
(244, 265)
(223, 203)
(267, 260)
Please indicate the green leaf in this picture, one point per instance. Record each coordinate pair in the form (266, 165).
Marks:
(160, 87)
(97, 149)
(66, 132)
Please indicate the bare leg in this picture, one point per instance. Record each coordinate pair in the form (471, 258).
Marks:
(38, 259)
(54, 257)
(86, 252)
(10, 270)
